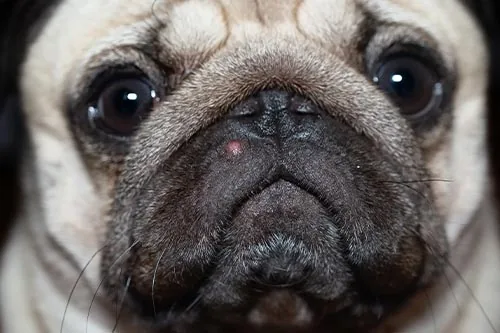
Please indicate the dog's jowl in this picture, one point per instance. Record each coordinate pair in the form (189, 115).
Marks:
(254, 166)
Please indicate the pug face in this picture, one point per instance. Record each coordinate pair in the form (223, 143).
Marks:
(257, 165)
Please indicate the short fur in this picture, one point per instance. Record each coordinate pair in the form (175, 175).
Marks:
(159, 222)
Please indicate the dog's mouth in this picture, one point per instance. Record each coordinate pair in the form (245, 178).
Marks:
(278, 217)
(281, 266)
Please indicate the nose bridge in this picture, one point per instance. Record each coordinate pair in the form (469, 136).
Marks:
(273, 108)
(274, 101)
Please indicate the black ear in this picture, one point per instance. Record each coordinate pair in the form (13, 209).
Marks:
(17, 22)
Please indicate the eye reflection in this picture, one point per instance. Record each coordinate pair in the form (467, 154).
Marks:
(412, 85)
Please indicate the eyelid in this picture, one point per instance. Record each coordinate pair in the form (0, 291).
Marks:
(392, 38)
(91, 74)
(426, 56)
(126, 58)
(109, 74)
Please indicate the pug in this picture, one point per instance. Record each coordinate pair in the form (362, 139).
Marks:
(254, 166)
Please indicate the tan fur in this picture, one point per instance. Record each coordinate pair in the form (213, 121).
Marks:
(197, 36)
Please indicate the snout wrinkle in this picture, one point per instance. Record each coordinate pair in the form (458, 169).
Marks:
(275, 179)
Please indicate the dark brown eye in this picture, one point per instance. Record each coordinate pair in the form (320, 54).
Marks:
(122, 105)
(413, 86)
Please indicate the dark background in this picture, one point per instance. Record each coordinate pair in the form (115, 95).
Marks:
(492, 25)
(12, 40)
(15, 16)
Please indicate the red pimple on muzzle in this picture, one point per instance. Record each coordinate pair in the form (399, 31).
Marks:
(234, 148)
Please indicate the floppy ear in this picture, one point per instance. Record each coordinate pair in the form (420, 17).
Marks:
(17, 20)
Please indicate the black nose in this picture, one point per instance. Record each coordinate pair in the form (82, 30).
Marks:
(276, 113)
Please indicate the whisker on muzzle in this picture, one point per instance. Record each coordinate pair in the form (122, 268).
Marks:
(468, 288)
(418, 181)
(80, 276)
(473, 295)
(118, 260)
(448, 282)
(195, 302)
(431, 307)
(82, 273)
(122, 301)
(407, 184)
(154, 281)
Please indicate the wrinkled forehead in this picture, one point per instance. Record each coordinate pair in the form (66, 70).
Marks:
(192, 26)
(79, 33)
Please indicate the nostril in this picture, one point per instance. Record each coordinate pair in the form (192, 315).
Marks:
(275, 99)
(300, 105)
(274, 114)
(273, 103)
(248, 108)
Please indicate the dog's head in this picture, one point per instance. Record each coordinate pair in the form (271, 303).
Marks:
(241, 164)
